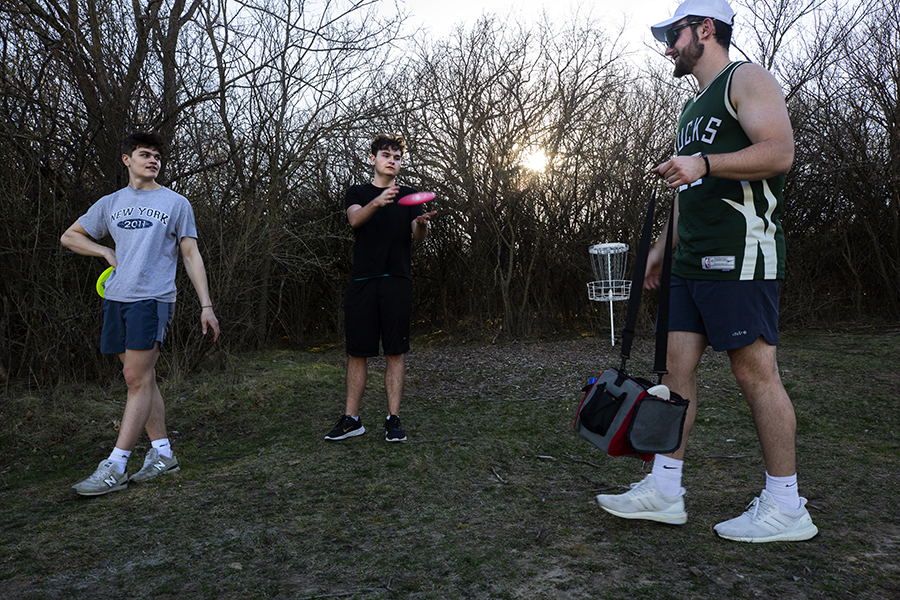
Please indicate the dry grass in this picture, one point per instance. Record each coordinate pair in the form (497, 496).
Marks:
(491, 498)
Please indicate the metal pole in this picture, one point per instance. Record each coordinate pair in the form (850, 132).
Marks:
(609, 273)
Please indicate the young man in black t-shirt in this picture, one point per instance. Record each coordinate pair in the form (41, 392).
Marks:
(378, 303)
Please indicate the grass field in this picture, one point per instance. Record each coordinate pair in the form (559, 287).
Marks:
(492, 497)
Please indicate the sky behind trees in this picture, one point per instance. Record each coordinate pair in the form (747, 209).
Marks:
(636, 15)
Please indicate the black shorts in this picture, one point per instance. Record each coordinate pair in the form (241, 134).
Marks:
(378, 309)
(731, 314)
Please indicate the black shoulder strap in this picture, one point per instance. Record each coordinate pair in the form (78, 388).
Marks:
(662, 318)
(637, 285)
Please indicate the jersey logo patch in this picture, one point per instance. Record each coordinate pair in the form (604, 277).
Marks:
(718, 263)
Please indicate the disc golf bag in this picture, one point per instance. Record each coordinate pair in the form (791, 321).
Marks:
(619, 416)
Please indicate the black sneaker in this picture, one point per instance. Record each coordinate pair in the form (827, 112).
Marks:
(346, 427)
(393, 432)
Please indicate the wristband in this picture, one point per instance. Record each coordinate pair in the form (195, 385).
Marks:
(706, 160)
(207, 306)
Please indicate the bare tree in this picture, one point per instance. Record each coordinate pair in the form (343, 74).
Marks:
(270, 106)
(279, 98)
(246, 97)
(513, 245)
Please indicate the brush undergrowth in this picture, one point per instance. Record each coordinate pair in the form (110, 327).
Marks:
(492, 497)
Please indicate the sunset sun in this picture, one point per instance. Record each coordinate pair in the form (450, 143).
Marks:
(535, 160)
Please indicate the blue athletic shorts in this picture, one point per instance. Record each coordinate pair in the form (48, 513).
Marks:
(731, 314)
(134, 325)
(378, 308)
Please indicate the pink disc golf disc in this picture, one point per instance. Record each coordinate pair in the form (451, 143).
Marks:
(417, 198)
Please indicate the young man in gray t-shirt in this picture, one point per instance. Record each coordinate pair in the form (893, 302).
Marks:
(149, 224)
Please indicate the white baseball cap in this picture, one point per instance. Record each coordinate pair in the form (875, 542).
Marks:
(719, 10)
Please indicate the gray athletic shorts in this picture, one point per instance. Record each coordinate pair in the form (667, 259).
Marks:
(731, 314)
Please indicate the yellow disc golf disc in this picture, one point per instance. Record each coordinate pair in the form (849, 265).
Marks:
(101, 281)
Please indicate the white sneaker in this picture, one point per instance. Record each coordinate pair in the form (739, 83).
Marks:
(104, 480)
(766, 521)
(154, 466)
(645, 501)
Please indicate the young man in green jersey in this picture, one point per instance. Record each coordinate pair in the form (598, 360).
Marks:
(734, 145)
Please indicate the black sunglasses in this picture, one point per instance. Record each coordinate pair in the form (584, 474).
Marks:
(672, 34)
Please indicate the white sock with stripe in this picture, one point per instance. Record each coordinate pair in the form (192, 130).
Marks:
(163, 447)
(120, 457)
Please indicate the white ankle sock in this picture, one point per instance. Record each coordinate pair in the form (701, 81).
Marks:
(163, 447)
(667, 474)
(784, 490)
(120, 457)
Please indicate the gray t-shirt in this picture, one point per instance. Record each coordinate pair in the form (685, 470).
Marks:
(147, 227)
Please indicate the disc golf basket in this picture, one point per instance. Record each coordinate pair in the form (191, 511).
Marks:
(608, 264)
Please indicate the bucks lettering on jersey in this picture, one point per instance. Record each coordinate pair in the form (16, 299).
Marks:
(727, 229)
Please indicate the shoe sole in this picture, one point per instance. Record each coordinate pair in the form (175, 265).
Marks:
(677, 519)
(100, 493)
(134, 479)
(387, 439)
(789, 536)
(349, 434)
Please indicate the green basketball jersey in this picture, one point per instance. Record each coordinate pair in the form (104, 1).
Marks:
(727, 229)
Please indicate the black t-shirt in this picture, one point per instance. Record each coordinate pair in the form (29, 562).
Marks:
(384, 242)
